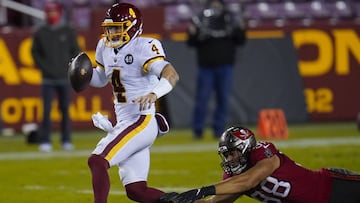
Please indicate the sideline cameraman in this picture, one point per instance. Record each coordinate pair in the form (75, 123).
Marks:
(215, 33)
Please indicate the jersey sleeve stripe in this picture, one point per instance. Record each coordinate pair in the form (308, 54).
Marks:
(99, 64)
(148, 62)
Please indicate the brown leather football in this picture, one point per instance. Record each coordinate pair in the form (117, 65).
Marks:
(80, 72)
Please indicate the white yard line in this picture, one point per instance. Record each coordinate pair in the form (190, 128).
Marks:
(195, 147)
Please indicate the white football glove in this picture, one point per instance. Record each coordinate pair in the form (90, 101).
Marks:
(102, 122)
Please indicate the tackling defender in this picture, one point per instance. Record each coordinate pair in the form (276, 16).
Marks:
(139, 74)
(260, 171)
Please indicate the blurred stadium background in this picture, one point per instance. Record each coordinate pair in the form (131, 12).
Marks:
(302, 56)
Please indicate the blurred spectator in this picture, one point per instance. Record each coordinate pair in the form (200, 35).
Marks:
(215, 34)
(54, 44)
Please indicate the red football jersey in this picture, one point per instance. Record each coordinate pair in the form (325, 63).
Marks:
(290, 183)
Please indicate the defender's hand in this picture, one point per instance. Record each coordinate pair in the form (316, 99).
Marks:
(168, 197)
(195, 194)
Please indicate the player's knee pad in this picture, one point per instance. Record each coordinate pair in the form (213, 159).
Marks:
(97, 161)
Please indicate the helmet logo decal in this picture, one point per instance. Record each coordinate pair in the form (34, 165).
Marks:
(132, 13)
(238, 134)
(129, 59)
(241, 133)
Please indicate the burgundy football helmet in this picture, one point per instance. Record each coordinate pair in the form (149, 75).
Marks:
(234, 147)
(122, 23)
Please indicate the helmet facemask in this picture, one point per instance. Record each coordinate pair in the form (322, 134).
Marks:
(234, 161)
(117, 33)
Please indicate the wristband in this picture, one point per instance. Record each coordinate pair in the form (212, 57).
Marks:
(209, 190)
(163, 87)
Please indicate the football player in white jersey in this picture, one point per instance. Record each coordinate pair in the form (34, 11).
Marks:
(139, 74)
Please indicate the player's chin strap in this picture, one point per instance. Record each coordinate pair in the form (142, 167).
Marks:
(162, 88)
(102, 122)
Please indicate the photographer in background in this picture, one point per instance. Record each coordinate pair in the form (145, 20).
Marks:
(215, 33)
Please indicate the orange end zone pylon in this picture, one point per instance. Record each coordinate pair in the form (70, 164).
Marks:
(272, 124)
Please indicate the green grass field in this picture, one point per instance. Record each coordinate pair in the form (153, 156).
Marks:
(178, 163)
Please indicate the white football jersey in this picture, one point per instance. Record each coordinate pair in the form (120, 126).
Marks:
(129, 71)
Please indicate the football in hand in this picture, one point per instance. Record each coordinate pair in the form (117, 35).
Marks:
(80, 72)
